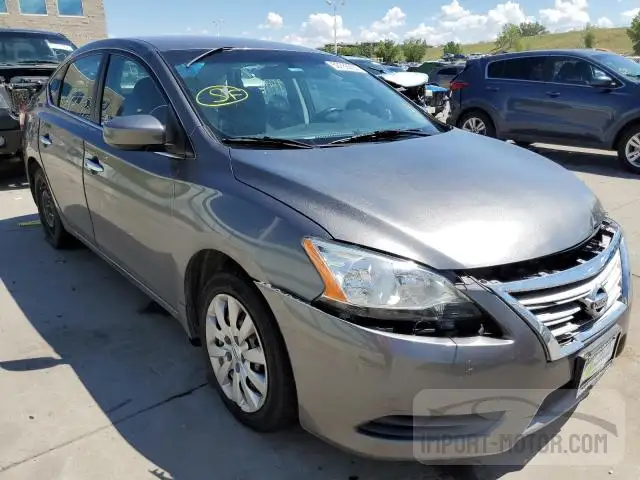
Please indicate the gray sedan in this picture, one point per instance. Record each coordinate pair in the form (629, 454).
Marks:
(342, 259)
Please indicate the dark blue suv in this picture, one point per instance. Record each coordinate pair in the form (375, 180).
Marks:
(586, 98)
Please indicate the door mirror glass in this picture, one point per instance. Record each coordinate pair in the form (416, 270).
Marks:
(603, 81)
(134, 132)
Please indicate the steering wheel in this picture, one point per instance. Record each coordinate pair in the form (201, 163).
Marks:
(323, 114)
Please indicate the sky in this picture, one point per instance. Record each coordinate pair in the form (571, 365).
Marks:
(310, 22)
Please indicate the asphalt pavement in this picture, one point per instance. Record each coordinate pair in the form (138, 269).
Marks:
(96, 383)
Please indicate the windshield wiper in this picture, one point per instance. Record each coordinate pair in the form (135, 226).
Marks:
(266, 141)
(213, 51)
(382, 135)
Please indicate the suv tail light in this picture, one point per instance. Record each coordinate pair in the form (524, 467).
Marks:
(458, 85)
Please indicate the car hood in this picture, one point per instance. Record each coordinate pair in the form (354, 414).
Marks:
(405, 79)
(451, 201)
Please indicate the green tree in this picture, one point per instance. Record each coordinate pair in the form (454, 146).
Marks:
(388, 51)
(589, 36)
(509, 38)
(532, 29)
(452, 48)
(414, 50)
(634, 34)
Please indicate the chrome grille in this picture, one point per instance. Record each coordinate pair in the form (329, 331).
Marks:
(563, 310)
(562, 297)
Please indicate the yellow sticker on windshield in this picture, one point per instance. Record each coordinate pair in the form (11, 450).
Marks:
(221, 96)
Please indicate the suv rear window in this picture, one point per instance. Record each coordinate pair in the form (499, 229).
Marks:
(531, 68)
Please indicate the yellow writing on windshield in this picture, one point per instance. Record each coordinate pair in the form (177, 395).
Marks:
(220, 96)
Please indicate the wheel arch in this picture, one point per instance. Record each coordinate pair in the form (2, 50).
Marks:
(621, 132)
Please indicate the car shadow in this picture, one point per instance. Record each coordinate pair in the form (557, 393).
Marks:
(139, 369)
(12, 180)
(596, 162)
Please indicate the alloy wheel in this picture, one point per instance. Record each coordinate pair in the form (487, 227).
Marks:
(236, 353)
(475, 125)
(632, 150)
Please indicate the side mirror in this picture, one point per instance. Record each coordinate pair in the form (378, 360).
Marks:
(134, 132)
(603, 82)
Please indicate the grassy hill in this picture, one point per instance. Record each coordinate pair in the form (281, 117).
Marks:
(614, 39)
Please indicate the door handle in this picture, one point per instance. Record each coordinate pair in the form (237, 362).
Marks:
(93, 165)
(492, 89)
(553, 94)
(45, 140)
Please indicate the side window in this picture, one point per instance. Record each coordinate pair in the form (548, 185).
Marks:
(130, 90)
(77, 88)
(574, 71)
(518, 69)
(55, 85)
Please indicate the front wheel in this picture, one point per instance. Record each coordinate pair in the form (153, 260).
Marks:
(479, 123)
(245, 354)
(629, 149)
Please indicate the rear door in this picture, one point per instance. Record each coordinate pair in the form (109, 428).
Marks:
(62, 129)
(130, 193)
(517, 89)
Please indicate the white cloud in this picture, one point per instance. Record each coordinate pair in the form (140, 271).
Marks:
(273, 21)
(566, 15)
(318, 31)
(630, 14)
(462, 25)
(604, 22)
(383, 28)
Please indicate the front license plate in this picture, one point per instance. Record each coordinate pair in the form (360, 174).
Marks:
(595, 362)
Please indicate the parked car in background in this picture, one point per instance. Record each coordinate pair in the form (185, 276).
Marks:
(428, 66)
(442, 76)
(27, 59)
(412, 84)
(341, 257)
(584, 98)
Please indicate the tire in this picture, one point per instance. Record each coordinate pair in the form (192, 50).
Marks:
(54, 231)
(477, 117)
(277, 408)
(629, 149)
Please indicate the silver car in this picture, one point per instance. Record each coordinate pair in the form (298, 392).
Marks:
(342, 258)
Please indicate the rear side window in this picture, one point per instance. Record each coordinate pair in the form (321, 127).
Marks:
(531, 68)
(76, 94)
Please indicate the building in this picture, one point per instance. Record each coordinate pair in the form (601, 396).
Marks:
(80, 20)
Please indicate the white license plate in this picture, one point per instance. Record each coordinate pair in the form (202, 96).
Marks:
(595, 363)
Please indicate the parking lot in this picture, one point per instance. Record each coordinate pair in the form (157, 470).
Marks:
(96, 383)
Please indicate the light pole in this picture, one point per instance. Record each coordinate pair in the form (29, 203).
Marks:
(217, 22)
(334, 4)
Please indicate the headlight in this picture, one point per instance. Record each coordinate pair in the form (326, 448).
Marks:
(372, 285)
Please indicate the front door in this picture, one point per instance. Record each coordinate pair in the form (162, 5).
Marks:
(62, 129)
(578, 113)
(130, 193)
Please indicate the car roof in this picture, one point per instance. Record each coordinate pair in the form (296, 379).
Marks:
(166, 43)
(31, 31)
(576, 52)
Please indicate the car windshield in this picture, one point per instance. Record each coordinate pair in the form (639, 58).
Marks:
(303, 96)
(621, 65)
(20, 48)
(371, 66)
